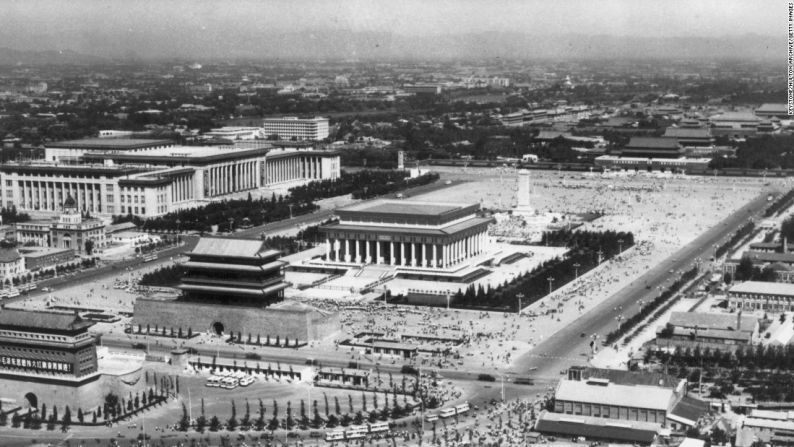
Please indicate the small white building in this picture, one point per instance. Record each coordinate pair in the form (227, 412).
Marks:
(11, 264)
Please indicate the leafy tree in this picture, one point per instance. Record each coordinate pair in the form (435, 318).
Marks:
(215, 423)
(184, 421)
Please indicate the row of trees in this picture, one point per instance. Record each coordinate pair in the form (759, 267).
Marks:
(782, 202)
(361, 185)
(168, 276)
(745, 271)
(10, 215)
(654, 304)
(763, 357)
(389, 408)
(765, 152)
(587, 250)
(229, 214)
(111, 409)
(740, 234)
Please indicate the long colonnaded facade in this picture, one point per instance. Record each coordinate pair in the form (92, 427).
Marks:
(407, 233)
(149, 178)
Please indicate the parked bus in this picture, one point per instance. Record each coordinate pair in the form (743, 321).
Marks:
(335, 436)
(229, 383)
(378, 427)
(523, 381)
(213, 381)
(247, 380)
(446, 412)
(149, 258)
(356, 431)
(462, 408)
(431, 417)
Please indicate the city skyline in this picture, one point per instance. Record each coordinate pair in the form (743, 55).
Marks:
(404, 28)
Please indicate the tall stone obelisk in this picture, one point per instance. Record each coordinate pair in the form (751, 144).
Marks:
(523, 206)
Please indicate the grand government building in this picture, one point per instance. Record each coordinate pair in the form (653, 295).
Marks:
(406, 233)
(150, 178)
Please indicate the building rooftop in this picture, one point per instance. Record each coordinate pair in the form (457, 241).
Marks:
(179, 154)
(621, 377)
(451, 229)
(652, 143)
(597, 428)
(9, 255)
(108, 143)
(771, 414)
(764, 288)
(43, 320)
(773, 108)
(405, 207)
(735, 116)
(774, 424)
(232, 248)
(703, 320)
(690, 409)
(607, 393)
(687, 133)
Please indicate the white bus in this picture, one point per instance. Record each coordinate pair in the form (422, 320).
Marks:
(431, 417)
(213, 381)
(335, 436)
(462, 408)
(446, 412)
(247, 380)
(229, 383)
(356, 431)
(378, 427)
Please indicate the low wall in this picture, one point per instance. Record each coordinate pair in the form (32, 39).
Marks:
(295, 324)
(86, 394)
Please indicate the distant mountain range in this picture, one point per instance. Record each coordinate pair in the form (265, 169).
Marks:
(9, 56)
(334, 44)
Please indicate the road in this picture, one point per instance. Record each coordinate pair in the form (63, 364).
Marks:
(568, 347)
(104, 271)
(321, 215)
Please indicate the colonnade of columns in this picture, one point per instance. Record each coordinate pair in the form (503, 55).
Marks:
(182, 188)
(414, 254)
(233, 177)
(287, 169)
(49, 195)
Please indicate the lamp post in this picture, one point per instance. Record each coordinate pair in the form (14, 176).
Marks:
(551, 281)
(620, 245)
(520, 296)
(576, 269)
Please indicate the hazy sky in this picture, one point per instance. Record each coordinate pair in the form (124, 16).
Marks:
(102, 26)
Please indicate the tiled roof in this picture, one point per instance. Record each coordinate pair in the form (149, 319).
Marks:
(703, 320)
(760, 256)
(109, 143)
(597, 428)
(9, 255)
(56, 321)
(233, 248)
(638, 396)
(652, 143)
(777, 108)
(686, 133)
(690, 408)
(621, 377)
(763, 288)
